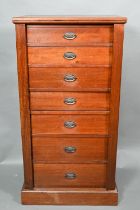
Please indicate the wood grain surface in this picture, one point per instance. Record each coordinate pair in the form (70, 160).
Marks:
(87, 79)
(24, 104)
(85, 124)
(38, 35)
(53, 175)
(59, 101)
(53, 150)
(65, 19)
(54, 56)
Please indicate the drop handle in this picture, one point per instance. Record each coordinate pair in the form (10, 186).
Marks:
(70, 149)
(70, 35)
(69, 78)
(70, 175)
(69, 55)
(69, 124)
(70, 101)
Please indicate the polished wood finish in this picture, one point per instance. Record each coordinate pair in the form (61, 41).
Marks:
(52, 150)
(115, 102)
(53, 175)
(70, 196)
(54, 124)
(57, 101)
(38, 35)
(24, 104)
(69, 108)
(54, 56)
(58, 20)
(87, 79)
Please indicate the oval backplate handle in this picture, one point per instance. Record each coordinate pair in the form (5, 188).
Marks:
(70, 175)
(69, 55)
(70, 124)
(70, 78)
(70, 149)
(70, 35)
(70, 101)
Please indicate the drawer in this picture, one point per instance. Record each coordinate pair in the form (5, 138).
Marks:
(69, 56)
(41, 35)
(69, 101)
(69, 150)
(70, 123)
(69, 175)
(69, 79)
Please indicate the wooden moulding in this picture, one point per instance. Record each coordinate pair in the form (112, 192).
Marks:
(69, 19)
(70, 196)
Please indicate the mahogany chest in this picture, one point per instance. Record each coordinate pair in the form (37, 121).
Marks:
(69, 73)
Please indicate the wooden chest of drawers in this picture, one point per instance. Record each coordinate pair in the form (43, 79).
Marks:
(69, 71)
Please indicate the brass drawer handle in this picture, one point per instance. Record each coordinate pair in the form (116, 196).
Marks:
(70, 149)
(70, 101)
(69, 55)
(70, 175)
(69, 35)
(70, 124)
(69, 78)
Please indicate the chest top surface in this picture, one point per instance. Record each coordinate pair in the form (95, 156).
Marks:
(70, 19)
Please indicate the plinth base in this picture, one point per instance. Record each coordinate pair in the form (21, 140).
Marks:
(69, 196)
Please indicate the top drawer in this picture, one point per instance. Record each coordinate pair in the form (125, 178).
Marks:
(42, 35)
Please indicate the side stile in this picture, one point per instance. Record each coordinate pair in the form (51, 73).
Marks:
(24, 104)
(114, 103)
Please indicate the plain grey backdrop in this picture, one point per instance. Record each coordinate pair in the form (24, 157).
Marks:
(128, 161)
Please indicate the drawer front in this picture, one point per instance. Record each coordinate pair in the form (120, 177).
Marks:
(70, 124)
(69, 56)
(69, 175)
(69, 101)
(69, 150)
(71, 79)
(53, 36)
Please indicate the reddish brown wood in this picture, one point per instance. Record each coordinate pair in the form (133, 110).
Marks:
(38, 35)
(115, 101)
(85, 124)
(79, 113)
(41, 71)
(86, 112)
(24, 104)
(75, 196)
(52, 79)
(54, 56)
(56, 101)
(52, 150)
(70, 19)
(53, 175)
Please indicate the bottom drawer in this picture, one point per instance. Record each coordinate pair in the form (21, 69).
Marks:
(69, 175)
